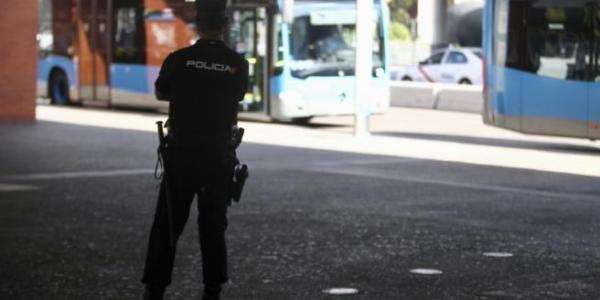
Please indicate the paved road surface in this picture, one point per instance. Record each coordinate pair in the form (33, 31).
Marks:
(321, 210)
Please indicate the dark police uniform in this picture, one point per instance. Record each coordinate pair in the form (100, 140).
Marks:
(203, 84)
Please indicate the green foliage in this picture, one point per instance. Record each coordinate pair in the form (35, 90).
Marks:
(401, 16)
(400, 19)
(399, 10)
(399, 32)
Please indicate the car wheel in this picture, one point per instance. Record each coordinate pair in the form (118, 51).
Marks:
(406, 78)
(465, 81)
(59, 88)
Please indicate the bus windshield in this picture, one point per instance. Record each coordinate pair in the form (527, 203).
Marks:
(323, 44)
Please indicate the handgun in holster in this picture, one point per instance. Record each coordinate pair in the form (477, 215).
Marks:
(240, 171)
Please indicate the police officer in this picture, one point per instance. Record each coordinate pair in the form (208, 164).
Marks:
(203, 84)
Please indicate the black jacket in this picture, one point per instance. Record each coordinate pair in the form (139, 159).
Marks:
(203, 84)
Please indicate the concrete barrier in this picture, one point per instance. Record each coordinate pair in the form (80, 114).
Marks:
(412, 94)
(454, 97)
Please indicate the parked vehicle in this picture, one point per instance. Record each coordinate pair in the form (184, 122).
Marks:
(109, 52)
(542, 67)
(448, 65)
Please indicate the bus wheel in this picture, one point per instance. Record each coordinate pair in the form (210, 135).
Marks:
(59, 88)
(465, 81)
(301, 121)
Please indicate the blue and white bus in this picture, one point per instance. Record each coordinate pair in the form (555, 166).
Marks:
(542, 66)
(301, 54)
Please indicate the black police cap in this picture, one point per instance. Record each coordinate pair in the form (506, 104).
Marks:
(211, 7)
(211, 13)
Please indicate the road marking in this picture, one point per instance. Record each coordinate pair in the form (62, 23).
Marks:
(278, 165)
(475, 186)
(498, 254)
(341, 291)
(80, 174)
(426, 271)
(5, 187)
(362, 161)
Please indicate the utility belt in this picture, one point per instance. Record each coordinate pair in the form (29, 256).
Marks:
(202, 144)
(197, 140)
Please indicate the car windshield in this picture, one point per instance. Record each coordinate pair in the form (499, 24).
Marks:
(324, 44)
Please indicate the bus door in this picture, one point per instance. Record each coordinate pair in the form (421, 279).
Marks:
(93, 47)
(248, 32)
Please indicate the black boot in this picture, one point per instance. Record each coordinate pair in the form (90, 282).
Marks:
(153, 292)
(206, 296)
(211, 293)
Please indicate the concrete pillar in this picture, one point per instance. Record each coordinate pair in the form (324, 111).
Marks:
(364, 65)
(18, 59)
(432, 22)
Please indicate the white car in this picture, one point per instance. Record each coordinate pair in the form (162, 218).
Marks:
(451, 65)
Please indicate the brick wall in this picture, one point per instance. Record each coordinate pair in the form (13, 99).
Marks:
(18, 59)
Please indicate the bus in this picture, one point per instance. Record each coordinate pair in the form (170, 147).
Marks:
(542, 66)
(301, 53)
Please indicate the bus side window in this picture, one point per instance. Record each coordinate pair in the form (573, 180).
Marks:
(550, 42)
(299, 40)
(45, 36)
(515, 36)
(126, 35)
(279, 51)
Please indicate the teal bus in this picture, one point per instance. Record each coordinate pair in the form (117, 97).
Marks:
(542, 66)
(301, 53)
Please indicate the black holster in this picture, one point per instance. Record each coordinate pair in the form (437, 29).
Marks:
(240, 174)
(239, 171)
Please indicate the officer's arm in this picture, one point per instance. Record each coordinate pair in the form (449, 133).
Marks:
(240, 86)
(243, 81)
(162, 86)
(160, 96)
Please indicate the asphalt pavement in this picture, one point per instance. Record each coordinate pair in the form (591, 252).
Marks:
(76, 204)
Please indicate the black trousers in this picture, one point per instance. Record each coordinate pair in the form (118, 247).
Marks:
(188, 176)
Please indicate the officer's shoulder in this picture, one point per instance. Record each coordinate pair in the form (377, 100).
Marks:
(181, 52)
(236, 56)
(173, 57)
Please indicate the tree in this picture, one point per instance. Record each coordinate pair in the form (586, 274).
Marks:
(400, 18)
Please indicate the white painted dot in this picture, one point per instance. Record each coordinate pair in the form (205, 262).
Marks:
(341, 291)
(426, 271)
(498, 254)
